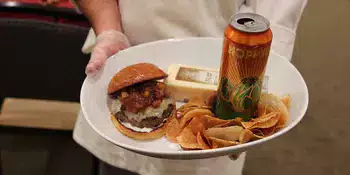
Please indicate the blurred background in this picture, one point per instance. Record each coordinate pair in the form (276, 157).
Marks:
(39, 110)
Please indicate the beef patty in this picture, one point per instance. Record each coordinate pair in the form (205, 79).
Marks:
(149, 122)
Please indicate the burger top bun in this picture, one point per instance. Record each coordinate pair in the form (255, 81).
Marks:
(133, 74)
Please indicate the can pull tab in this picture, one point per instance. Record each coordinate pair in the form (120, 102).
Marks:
(248, 22)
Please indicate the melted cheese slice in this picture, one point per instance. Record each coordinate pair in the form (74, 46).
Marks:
(185, 82)
(148, 112)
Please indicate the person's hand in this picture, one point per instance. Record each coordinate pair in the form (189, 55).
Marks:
(234, 156)
(107, 44)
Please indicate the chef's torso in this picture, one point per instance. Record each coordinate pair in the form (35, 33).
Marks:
(145, 21)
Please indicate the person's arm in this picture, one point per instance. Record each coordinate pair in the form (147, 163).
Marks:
(104, 17)
(102, 14)
(284, 16)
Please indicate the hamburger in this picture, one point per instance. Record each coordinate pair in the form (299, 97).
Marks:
(141, 106)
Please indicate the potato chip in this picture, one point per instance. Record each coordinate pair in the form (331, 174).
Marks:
(278, 128)
(268, 131)
(286, 101)
(257, 137)
(197, 124)
(189, 149)
(195, 103)
(275, 104)
(219, 143)
(265, 117)
(245, 136)
(173, 130)
(228, 133)
(187, 139)
(257, 134)
(267, 121)
(202, 141)
(196, 127)
(237, 121)
(228, 123)
(214, 122)
(196, 112)
(181, 112)
(248, 125)
(261, 110)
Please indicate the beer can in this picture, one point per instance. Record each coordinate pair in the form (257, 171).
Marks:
(246, 47)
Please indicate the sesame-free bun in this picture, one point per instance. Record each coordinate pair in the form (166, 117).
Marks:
(133, 74)
(155, 134)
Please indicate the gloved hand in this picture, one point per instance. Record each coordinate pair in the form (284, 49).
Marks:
(107, 44)
(234, 156)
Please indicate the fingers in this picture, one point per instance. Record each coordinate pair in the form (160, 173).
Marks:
(234, 156)
(107, 44)
(93, 67)
(98, 57)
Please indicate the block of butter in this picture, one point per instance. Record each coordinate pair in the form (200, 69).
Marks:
(185, 82)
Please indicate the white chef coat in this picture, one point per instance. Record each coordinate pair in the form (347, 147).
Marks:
(145, 21)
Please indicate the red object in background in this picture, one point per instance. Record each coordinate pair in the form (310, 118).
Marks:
(75, 22)
(61, 3)
(27, 16)
(61, 12)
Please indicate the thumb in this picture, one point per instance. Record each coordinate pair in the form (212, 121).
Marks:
(98, 57)
(107, 44)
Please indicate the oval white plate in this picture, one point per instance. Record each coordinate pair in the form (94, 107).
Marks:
(284, 78)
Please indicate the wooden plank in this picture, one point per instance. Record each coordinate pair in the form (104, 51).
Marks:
(33, 113)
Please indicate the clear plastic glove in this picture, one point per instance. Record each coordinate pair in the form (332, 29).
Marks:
(234, 156)
(107, 44)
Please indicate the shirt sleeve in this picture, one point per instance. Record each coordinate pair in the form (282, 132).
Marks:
(284, 16)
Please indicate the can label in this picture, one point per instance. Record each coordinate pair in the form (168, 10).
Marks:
(241, 79)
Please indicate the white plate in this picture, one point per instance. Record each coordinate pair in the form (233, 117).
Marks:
(284, 78)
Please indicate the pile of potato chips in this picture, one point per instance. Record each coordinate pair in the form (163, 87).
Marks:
(196, 127)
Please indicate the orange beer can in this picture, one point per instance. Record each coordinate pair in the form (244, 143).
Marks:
(245, 52)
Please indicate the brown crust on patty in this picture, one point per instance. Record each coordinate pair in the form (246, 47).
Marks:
(133, 74)
(155, 134)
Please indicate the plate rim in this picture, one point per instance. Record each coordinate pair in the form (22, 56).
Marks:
(181, 153)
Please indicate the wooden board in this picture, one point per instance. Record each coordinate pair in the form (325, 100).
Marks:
(34, 113)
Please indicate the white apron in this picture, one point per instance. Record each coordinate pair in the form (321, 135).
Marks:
(150, 20)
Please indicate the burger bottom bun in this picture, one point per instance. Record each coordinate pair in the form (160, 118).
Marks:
(155, 134)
